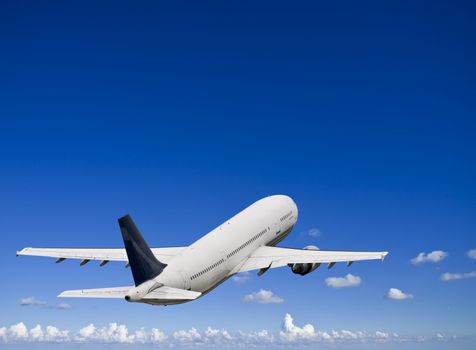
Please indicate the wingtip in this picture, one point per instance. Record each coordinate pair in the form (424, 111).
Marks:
(384, 254)
(67, 294)
(20, 252)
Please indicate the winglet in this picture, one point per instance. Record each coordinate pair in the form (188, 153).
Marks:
(384, 254)
(21, 252)
(144, 264)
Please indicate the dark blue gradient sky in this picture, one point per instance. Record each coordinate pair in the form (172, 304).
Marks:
(183, 113)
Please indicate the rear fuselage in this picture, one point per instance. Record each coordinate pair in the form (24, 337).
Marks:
(218, 255)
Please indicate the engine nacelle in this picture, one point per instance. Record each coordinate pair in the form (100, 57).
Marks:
(304, 269)
(138, 292)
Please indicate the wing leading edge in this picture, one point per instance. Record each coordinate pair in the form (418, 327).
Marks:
(271, 257)
(102, 254)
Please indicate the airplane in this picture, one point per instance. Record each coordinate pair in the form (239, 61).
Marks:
(175, 275)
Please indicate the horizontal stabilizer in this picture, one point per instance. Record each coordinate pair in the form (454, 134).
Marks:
(115, 292)
(162, 293)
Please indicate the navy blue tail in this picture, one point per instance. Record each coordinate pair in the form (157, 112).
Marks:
(144, 264)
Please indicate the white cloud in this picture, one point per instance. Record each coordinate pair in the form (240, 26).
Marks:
(112, 333)
(307, 334)
(217, 333)
(291, 332)
(157, 336)
(241, 278)
(433, 257)
(397, 294)
(87, 332)
(118, 333)
(256, 338)
(32, 301)
(54, 334)
(263, 297)
(190, 336)
(382, 335)
(211, 336)
(314, 232)
(457, 276)
(18, 331)
(289, 335)
(471, 253)
(36, 333)
(341, 282)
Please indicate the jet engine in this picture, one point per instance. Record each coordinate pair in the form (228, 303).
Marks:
(304, 269)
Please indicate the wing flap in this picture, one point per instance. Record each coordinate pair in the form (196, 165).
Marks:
(271, 257)
(102, 254)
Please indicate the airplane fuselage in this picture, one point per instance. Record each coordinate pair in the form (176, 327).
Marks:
(219, 254)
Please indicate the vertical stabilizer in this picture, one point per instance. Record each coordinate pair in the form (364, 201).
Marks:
(144, 264)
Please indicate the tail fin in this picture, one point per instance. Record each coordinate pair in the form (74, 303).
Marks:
(144, 264)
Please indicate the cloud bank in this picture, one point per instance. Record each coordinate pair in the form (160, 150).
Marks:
(433, 257)
(290, 334)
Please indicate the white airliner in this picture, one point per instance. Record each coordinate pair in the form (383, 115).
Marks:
(174, 275)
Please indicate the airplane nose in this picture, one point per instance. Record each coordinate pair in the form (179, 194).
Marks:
(289, 201)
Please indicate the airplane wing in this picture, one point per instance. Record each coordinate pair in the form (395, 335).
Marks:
(271, 257)
(162, 293)
(104, 255)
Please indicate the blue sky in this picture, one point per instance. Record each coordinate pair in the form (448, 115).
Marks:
(184, 113)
